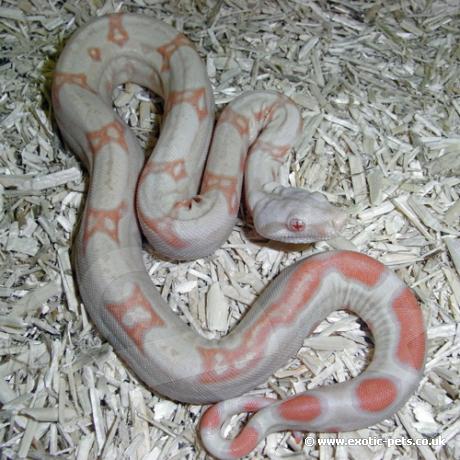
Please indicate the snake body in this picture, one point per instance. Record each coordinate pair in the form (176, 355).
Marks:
(181, 220)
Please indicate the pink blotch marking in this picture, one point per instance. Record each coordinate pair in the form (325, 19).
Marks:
(332, 429)
(117, 33)
(257, 404)
(195, 97)
(211, 419)
(412, 339)
(170, 48)
(284, 310)
(376, 394)
(106, 221)
(302, 408)
(246, 441)
(359, 267)
(239, 122)
(228, 185)
(94, 54)
(136, 331)
(112, 132)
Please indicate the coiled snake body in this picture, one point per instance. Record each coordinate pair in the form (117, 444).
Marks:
(166, 354)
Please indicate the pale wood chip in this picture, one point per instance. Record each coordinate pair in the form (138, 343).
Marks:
(377, 84)
(217, 309)
(453, 245)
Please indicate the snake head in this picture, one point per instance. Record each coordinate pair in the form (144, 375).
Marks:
(294, 215)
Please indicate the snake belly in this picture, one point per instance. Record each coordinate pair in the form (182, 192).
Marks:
(165, 353)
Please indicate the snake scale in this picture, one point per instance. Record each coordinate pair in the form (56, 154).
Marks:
(186, 203)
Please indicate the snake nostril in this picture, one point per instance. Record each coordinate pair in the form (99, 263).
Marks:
(296, 225)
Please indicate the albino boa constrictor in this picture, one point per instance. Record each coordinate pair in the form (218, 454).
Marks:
(163, 351)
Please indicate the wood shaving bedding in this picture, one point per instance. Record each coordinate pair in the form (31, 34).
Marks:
(378, 86)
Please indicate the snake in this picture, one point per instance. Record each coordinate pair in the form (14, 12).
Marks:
(185, 200)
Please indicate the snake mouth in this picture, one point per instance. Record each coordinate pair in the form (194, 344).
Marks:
(304, 239)
(310, 234)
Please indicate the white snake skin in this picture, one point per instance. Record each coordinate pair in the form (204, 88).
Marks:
(165, 353)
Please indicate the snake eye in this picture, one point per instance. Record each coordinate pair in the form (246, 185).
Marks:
(296, 225)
